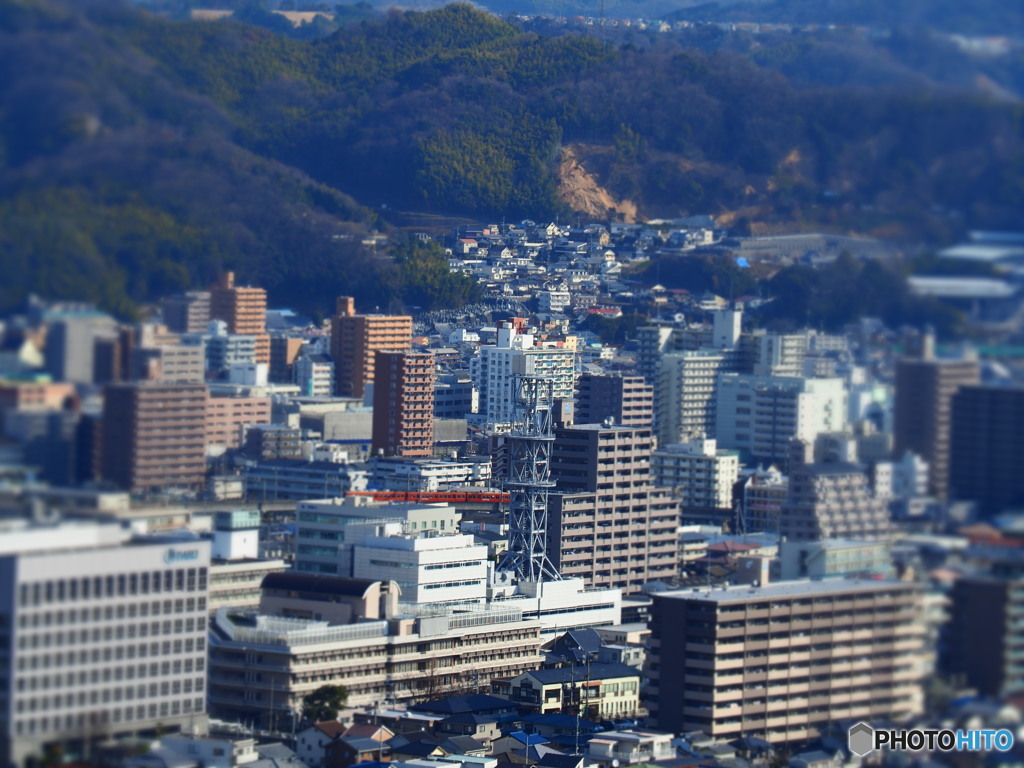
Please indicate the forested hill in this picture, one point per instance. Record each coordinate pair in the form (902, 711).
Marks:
(138, 155)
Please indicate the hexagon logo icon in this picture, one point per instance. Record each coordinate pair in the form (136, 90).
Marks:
(861, 739)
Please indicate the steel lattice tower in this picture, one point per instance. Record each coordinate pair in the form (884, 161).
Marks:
(529, 479)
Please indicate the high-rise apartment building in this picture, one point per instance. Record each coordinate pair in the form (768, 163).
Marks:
(759, 415)
(102, 637)
(830, 500)
(784, 661)
(244, 309)
(606, 523)
(656, 341)
(986, 446)
(356, 339)
(154, 435)
(516, 353)
(925, 387)
(985, 642)
(687, 392)
(403, 404)
(626, 400)
(187, 312)
(702, 474)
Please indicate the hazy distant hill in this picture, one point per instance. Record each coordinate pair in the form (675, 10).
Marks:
(968, 17)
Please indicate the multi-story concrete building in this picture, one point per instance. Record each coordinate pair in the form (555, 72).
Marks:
(228, 417)
(830, 500)
(985, 640)
(783, 661)
(761, 498)
(168, 362)
(244, 309)
(515, 353)
(36, 395)
(154, 435)
(355, 340)
(428, 570)
(69, 354)
(831, 558)
(555, 299)
(614, 748)
(321, 630)
(922, 414)
(284, 351)
(987, 442)
(687, 392)
(236, 569)
(301, 479)
(702, 474)
(779, 354)
(626, 400)
(759, 415)
(403, 404)
(322, 524)
(455, 396)
(223, 349)
(273, 441)
(607, 524)
(187, 312)
(657, 341)
(314, 375)
(102, 637)
(414, 474)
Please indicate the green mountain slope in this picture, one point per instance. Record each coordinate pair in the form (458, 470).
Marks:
(140, 155)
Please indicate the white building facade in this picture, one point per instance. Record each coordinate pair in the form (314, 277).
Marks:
(515, 353)
(428, 570)
(699, 471)
(759, 415)
(99, 636)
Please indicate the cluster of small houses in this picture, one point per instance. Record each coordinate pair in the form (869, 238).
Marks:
(574, 270)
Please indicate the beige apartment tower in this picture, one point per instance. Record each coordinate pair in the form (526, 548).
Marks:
(783, 662)
(606, 522)
(355, 340)
(244, 309)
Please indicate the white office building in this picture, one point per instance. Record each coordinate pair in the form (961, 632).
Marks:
(326, 528)
(759, 415)
(99, 636)
(428, 570)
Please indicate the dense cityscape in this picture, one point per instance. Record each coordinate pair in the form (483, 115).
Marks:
(585, 521)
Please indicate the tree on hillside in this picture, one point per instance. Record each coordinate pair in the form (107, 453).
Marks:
(324, 703)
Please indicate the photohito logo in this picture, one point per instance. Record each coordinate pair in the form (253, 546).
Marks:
(863, 740)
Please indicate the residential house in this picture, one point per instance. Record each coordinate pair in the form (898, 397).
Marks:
(629, 747)
(599, 691)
